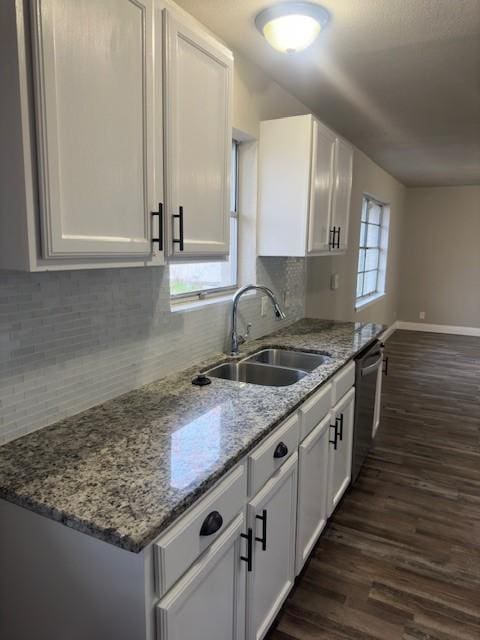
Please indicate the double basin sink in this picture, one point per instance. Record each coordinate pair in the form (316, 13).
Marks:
(270, 367)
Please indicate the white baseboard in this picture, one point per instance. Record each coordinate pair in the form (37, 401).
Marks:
(388, 332)
(438, 328)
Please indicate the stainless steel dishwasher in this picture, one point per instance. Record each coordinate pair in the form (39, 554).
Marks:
(367, 364)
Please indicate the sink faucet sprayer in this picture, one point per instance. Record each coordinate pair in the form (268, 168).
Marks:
(237, 340)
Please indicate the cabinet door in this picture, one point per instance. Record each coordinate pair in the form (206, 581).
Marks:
(272, 516)
(198, 140)
(340, 458)
(93, 74)
(312, 490)
(323, 155)
(342, 191)
(208, 603)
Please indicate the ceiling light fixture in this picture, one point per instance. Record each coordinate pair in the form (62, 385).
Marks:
(290, 27)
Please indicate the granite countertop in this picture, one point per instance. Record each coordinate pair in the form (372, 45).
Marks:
(126, 469)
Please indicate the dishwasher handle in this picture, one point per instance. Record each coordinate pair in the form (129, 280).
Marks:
(372, 367)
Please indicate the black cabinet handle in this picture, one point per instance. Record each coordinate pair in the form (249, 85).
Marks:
(263, 539)
(249, 557)
(334, 242)
(212, 523)
(333, 233)
(339, 422)
(281, 450)
(179, 240)
(385, 365)
(159, 238)
(334, 441)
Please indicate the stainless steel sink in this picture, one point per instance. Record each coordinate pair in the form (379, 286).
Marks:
(257, 374)
(289, 358)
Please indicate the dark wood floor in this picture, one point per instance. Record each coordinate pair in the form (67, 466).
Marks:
(400, 558)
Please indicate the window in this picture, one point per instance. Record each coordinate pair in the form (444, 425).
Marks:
(372, 252)
(197, 279)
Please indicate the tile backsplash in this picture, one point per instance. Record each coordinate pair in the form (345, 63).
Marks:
(70, 340)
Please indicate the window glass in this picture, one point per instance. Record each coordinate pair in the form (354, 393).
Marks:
(370, 282)
(371, 260)
(370, 251)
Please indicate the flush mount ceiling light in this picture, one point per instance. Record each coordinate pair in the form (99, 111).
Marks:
(290, 27)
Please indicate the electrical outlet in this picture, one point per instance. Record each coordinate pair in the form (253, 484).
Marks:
(422, 315)
(263, 310)
(334, 281)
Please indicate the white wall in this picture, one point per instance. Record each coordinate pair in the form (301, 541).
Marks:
(322, 302)
(257, 98)
(441, 256)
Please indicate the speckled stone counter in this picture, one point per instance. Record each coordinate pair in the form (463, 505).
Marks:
(126, 469)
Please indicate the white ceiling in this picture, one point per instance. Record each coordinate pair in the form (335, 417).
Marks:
(398, 78)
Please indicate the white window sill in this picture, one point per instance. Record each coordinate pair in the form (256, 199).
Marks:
(366, 302)
(199, 303)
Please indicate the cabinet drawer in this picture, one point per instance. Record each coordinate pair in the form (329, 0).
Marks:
(314, 410)
(208, 602)
(343, 382)
(272, 453)
(176, 550)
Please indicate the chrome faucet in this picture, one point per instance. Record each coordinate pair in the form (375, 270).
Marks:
(236, 339)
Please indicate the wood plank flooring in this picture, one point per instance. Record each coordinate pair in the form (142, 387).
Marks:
(400, 559)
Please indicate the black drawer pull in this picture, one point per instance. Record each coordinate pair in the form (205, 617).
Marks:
(263, 539)
(212, 523)
(159, 238)
(249, 557)
(179, 240)
(334, 242)
(333, 233)
(334, 441)
(281, 450)
(339, 422)
(385, 365)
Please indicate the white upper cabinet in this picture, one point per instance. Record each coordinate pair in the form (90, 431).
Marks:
(305, 177)
(342, 191)
(321, 188)
(198, 124)
(93, 72)
(104, 101)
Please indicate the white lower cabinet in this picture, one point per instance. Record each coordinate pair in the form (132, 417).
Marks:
(312, 490)
(340, 454)
(272, 518)
(237, 584)
(220, 572)
(208, 603)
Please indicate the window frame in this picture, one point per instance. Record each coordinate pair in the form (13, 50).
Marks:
(201, 294)
(365, 298)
